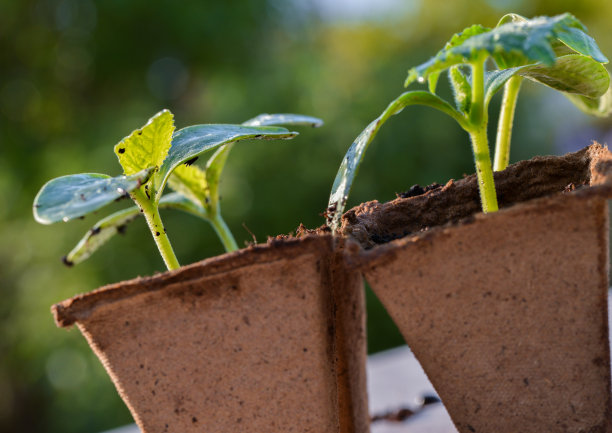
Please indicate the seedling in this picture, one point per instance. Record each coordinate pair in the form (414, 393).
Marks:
(151, 157)
(555, 51)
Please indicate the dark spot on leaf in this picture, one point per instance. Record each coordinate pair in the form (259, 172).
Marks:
(121, 229)
(191, 161)
(157, 233)
(139, 132)
(67, 262)
(94, 231)
(121, 150)
(258, 136)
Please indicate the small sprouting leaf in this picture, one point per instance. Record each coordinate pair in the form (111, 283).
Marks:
(600, 107)
(462, 89)
(68, 197)
(573, 73)
(147, 146)
(514, 43)
(192, 141)
(214, 168)
(190, 181)
(115, 223)
(353, 157)
(283, 119)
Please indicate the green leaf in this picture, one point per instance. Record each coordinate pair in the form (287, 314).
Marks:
(444, 56)
(600, 107)
(193, 141)
(513, 43)
(68, 197)
(115, 223)
(573, 73)
(495, 80)
(579, 41)
(214, 168)
(190, 181)
(202, 186)
(100, 233)
(354, 156)
(283, 119)
(147, 146)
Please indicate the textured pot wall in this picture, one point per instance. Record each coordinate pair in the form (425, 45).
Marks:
(507, 312)
(247, 342)
(507, 317)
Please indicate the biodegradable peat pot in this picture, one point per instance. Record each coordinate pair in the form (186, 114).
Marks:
(507, 312)
(267, 339)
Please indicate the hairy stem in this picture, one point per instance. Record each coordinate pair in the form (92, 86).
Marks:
(478, 119)
(484, 173)
(151, 214)
(224, 233)
(504, 127)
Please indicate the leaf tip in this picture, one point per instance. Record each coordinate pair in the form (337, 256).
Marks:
(67, 261)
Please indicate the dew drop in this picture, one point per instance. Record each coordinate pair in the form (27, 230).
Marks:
(65, 219)
(121, 191)
(421, 80)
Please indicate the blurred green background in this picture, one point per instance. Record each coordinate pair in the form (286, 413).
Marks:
(76, 76)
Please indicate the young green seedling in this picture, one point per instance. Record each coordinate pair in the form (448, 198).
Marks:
(555, 51)
(151, 157)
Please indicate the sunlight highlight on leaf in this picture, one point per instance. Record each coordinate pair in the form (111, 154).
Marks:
(147, 146)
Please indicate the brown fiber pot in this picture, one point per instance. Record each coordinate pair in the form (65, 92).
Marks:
(507, 312)
(268, 339)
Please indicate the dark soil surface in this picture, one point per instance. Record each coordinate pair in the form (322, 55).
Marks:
(420, 208)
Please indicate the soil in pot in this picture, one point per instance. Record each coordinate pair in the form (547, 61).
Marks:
(507, 312)
(267, 339)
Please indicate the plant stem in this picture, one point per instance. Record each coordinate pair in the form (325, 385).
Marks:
(478, 119)
(224, 233)
(484, 173)
(504, 127)
(151, 214)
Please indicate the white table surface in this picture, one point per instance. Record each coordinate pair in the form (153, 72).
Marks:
(395, 381)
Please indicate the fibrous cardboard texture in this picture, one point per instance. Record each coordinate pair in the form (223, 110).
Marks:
(269, 339)
(507, 312)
